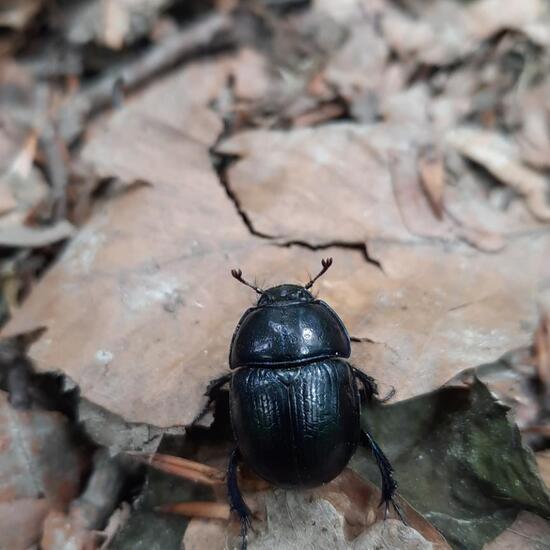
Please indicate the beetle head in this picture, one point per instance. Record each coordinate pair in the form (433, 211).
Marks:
(286, 293)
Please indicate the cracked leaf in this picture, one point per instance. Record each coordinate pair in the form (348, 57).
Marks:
(140, 307)
(297, 185)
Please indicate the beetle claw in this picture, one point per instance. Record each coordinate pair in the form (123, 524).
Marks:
(399, 512)
(236, 500)
(387, 397)
(389, 485)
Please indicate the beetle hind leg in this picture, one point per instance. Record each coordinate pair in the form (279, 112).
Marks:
(389, 485)
(236, 500)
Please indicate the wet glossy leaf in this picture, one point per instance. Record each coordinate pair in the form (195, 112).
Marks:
(459, 461)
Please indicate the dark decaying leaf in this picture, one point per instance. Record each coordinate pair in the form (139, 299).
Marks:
(150, 529)
(459, 461)
(39, 459)
(88, 514)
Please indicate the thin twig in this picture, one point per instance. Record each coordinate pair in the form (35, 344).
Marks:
(184, 468)
(210, 510)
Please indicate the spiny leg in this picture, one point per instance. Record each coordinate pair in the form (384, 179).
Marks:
(211, 392)
(236, 500)
(389, 485)
(370, 386)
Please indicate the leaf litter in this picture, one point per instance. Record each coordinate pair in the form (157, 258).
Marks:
(406, 139)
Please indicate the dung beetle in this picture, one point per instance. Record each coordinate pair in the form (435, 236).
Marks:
(295, 402)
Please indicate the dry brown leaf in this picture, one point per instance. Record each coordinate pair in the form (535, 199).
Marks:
(501, 158)
(443, 32)
(153, 263)
(342, 514)
(528, 532)
(21, 522)
(293, 185)
(296, 521)
(40, 470)
(437, 309)
(38, 457)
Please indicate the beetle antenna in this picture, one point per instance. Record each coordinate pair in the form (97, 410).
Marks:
(238, 274)
(326, 263)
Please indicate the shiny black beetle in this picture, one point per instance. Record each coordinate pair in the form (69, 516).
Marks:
(295, 401)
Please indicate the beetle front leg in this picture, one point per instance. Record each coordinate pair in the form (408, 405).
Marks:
(211, 392)
(370, 386)
(389, 485)
(236, 500)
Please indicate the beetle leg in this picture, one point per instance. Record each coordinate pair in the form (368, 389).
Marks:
(389, 485)
(212, 392)
(236, 500)
(368, 383)
(370, 386)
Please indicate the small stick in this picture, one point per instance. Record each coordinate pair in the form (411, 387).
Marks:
(210, 510)
(184, 468)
